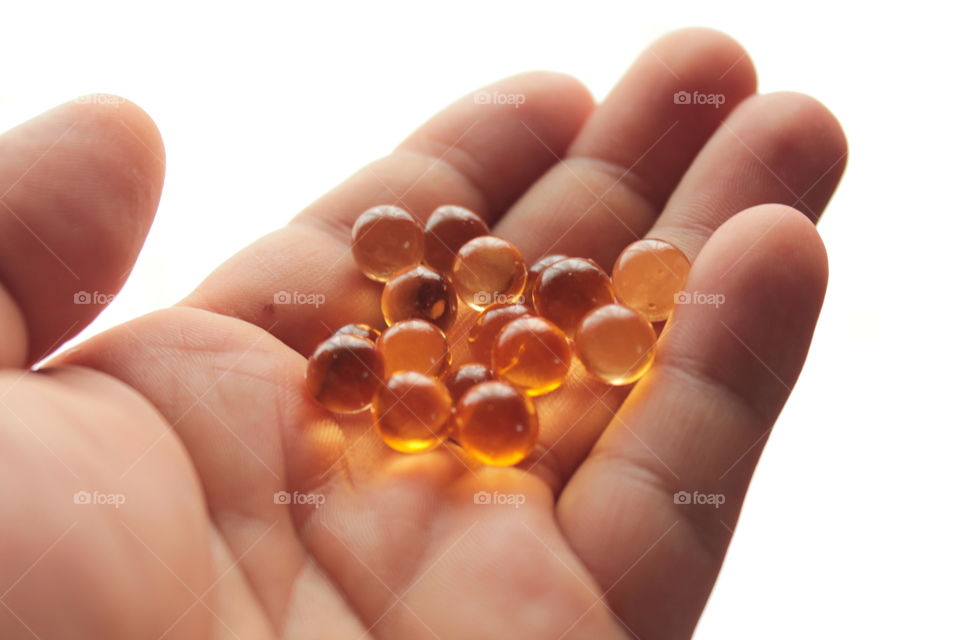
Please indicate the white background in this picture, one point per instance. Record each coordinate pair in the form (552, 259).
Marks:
(851, 525)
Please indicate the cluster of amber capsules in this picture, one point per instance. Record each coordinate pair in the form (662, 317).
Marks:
(530, 325)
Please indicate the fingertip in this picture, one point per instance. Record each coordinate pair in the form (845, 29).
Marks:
(781, 238)
(718, 56)
(81, 185)
(789, 129)
(126, 154)
(805, 110)
(108, 107)
(754, 296)
(553, 93)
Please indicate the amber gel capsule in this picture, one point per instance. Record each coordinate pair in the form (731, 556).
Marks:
(419, 292)
(648, 275)
(567, 290)
(488, 270)
(489, 323)
(359, 329)
(414, 345)
(534, 272)
(533, 354)
(447, 229)
(344, 373)
(411, 412)
(461, 379)
(386, 239)
(496, 423)
(616, 344)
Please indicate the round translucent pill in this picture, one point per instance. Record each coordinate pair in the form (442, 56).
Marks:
(488, 270)
(535, 270)
(648, 275)
(411, 412)
(419, 292)
(414, 345)
(616, 344)
(461, 379)
(359, 329)
(344, 373)
(489, 323)
(386, 239)
(447, 229)
(496, 423)
(533, 354)
(567, 290)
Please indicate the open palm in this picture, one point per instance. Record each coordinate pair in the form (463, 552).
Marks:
(170, 478)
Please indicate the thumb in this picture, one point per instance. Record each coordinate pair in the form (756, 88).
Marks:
(79, 186)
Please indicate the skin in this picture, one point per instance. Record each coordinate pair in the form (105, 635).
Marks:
(197, 415)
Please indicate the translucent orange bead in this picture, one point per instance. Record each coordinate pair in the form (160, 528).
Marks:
(647, 276)
(386, 239)
(534, 272)
(419, 292)
(533, 354)
(411, 412)
(567, 290)
(616, 344)
(488, 325)
(414, 345)
(461, 379)
(496, 423)
(358, 329)
(343, 374)
(488, 270)
(447, 229)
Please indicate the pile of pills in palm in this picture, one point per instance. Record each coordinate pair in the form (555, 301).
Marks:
(532, 323)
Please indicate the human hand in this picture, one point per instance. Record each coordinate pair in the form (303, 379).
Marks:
(143, 468)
